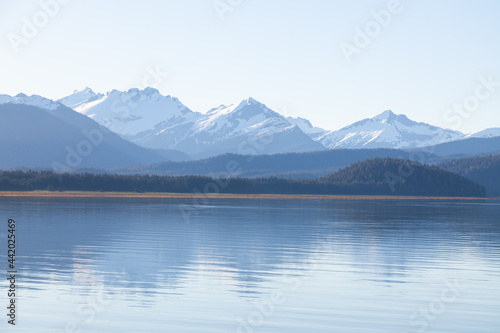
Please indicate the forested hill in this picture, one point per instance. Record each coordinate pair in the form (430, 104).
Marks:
(372, 177)
(403, 177)
(483, 170)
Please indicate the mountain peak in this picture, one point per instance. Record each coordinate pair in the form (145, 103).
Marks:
(385, 115)
(249, 102)
(148, 91)
(136, 93)
(85, 91)
(307, 127)
(387, 130)
(133, 91)
(79, 97)
(33, 100)
(305, 121)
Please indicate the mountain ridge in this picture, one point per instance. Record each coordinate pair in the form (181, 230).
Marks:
(385, 130)
(47, 134)
(154, 121)
(151, 120)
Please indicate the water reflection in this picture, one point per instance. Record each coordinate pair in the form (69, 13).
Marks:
(350, 265)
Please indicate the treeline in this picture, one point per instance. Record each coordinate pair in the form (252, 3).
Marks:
(371, 177)
(483, 170)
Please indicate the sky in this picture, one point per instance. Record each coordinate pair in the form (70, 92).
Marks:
(333, 62)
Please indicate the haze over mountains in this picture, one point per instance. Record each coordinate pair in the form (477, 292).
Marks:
(152, 120)
(144, 127)
(37, 132)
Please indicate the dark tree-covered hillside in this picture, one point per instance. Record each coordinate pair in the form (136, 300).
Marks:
(403, 177)
(372, 177)
(483, 170)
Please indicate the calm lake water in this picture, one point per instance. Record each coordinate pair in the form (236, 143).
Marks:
(288, 266)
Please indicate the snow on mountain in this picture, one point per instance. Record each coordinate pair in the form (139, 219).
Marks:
(36, 132)
(247, 117)
(134, 114)
(487, 133)
(78, 98)
(306, 127)
(152, 120)
(5, 99)
(387, 130)
(33, 100)
(248, 127)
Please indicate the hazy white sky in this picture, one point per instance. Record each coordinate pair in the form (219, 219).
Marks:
(423, 59)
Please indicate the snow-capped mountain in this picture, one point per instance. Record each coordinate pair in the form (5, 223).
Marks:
(248, 127)
(387, 130)
(152, 120)
(134, 114)
(487, 133)
(38, 132)
(149, 119)
(33, 100)
(78, 98)
(305, 125)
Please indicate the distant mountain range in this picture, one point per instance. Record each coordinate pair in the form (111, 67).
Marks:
(291, 165)
(387, 130)
(145, 127)
(465, 147)
(310, 164)
(152, 120)
(39, 133)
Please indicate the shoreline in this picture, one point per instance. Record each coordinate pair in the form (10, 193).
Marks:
(77, 194)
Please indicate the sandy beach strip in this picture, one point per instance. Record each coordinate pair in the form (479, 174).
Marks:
(71, 194)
